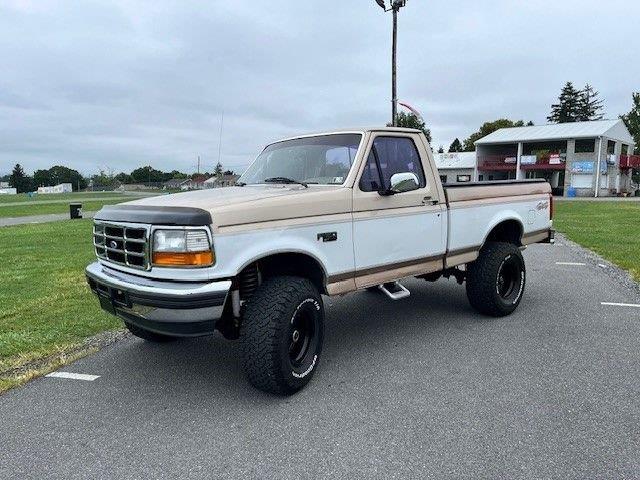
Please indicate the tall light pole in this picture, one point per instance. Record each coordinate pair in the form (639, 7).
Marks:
(395, 6)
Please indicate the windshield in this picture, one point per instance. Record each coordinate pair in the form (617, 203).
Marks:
(323, 160)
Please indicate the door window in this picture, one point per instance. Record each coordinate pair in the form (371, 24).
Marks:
(388, 156)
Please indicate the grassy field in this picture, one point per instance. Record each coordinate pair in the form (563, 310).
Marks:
(47, 309)
(611, 229)
(41, 208)
(23, 206)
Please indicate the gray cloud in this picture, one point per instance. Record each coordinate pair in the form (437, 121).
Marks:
(124, 83)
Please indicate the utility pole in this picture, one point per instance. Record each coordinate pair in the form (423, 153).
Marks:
(395, 7)
(394, 59)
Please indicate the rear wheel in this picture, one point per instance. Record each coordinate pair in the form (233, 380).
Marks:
(496, 280)
(148, 335)
(281, 334)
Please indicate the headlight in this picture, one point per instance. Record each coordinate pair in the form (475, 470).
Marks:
(182, 248)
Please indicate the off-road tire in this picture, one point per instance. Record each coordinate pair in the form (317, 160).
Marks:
(271, 318)
(486, 291)
(148, 335)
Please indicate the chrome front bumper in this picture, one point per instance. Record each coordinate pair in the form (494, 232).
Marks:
(173, 308)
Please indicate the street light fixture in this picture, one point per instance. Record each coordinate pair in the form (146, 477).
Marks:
(394, 6)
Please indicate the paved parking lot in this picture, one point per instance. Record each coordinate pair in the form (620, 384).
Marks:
(422, 388)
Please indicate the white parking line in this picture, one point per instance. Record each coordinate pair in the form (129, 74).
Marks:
(574, 264)
(610, 304)
(73, 376)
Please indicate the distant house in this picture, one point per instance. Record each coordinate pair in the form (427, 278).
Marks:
(61, 188)
(4, 184)
(176, 184)
(129, 187)
(221, 181)
(456, 167)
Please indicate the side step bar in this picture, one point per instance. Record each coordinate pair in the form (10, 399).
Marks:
(394, 290)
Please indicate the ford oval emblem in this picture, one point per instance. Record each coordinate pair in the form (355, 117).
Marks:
(113, 244)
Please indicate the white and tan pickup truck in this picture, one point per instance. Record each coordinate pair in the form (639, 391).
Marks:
(322, 214)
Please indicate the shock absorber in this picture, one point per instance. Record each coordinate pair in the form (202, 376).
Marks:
(249, 281)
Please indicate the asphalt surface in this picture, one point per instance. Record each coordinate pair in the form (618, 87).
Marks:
(49, 217)
(421, 388)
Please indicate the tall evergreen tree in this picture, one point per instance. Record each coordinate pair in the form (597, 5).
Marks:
(218, 170)
(20, 180)
(590, 106)
(568, 106)
(456, 146)
(632, 119)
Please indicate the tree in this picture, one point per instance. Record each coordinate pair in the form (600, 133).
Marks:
(20, 180)
(218, 170)
(632, 119)
(103, 180)
(440, 149)
(411, 120)
(590, 106)
(228, 172)
(123, 178)
(568, 107)
(488, 128)
(57, 175)
(456, 146)
(147, 174)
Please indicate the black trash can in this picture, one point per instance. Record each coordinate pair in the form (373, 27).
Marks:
(75, 210)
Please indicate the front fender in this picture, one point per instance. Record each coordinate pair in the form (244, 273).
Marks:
(236, 251)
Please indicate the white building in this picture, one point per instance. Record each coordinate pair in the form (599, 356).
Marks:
(577, 159)
(8, 191)
(62, 188)
(456, 167)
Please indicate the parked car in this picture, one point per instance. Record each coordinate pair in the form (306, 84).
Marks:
(324, 214)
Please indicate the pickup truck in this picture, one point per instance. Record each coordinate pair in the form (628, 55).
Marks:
(322, 214)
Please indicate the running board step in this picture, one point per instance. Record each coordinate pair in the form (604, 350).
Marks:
(394, 290)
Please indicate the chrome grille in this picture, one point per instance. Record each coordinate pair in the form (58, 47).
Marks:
(124, 244)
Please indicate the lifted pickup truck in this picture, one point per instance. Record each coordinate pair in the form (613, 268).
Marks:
(323, 214)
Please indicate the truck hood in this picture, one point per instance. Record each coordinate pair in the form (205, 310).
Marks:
(231, 206)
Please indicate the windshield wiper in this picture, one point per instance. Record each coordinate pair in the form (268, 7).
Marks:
(285, 180)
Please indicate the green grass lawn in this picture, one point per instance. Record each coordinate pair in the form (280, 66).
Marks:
(611, 229)
(45, 208)
(47, 309)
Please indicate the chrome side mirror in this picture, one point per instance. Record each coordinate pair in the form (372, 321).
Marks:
(404, 182)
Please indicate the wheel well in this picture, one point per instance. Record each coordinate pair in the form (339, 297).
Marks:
(296, 264)
(509, 231)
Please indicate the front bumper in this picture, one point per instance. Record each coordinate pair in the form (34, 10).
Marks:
(183, 309)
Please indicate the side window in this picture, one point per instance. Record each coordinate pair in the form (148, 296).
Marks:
(370, 180)
(392, 155)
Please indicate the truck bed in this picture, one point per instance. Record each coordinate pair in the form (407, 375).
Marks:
(474, 209)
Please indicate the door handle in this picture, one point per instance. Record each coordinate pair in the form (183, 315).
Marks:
(429, 200)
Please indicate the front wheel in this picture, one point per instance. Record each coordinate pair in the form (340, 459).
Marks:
(281, 334)
(496, 280)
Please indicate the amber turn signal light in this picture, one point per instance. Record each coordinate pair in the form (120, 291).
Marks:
(183, 259)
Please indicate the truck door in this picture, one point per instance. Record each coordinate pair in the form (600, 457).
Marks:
(401, 234)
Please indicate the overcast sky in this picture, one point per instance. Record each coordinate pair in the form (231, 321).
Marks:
(121, 84)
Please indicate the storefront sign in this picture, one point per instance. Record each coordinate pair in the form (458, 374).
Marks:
(510, 160)
(555, 159)
(528, 160)
(583, 167)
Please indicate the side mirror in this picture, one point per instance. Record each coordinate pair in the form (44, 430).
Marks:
(403, 182)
